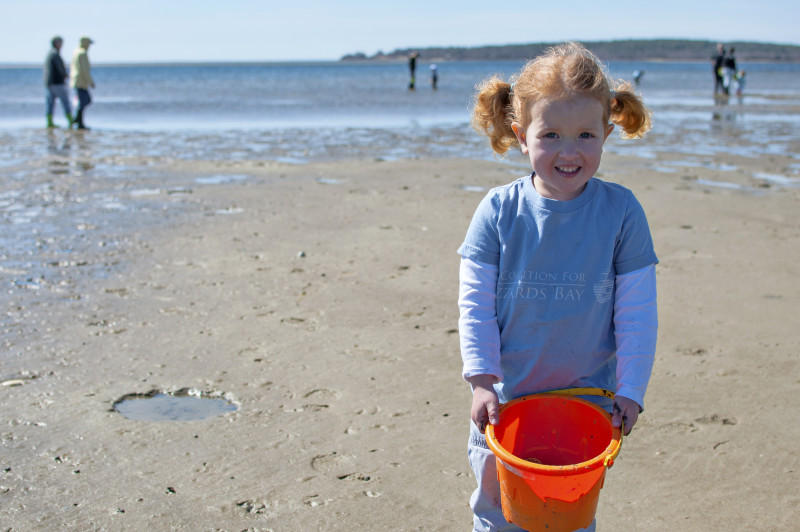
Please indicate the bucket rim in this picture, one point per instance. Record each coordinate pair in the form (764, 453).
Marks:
(605, 458)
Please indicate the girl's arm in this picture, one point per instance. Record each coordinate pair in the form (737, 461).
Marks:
(480, 337)
(477, 322)
(636, 328)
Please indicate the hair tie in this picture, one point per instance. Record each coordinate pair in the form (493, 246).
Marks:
(511, 88)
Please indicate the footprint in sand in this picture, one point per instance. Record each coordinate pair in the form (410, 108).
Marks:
(322, 393)
(315, 500)
(326, 462)
(253, 507)
(363, 477)
(714, 419)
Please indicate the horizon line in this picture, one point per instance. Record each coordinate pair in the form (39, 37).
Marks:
(383, 56)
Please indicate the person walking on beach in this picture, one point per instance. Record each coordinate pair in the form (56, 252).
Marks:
(81, 79)
(728, 70)
(557, 285)
(716, 62)
(55, 83)
(434, 77)
(412, 67)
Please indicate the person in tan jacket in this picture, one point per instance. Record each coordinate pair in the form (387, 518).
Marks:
(81, 78)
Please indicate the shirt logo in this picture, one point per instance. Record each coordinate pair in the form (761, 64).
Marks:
(531, 284)
(553, 286)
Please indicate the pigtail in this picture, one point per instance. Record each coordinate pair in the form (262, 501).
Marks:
(493, 114)
(629, 113)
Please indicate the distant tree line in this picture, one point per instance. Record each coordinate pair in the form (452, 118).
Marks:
(622, 50)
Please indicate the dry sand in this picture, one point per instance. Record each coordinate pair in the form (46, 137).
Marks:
(321, 299)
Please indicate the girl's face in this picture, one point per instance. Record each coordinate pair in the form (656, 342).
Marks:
(564, 142)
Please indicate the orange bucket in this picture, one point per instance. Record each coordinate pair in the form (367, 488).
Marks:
(552, 453)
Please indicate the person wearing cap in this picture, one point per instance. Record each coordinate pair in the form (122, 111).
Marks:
(81, 78)
(55, 77)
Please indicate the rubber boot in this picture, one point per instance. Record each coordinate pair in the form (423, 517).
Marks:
(79, 120)
(70, 120)
(50, 123)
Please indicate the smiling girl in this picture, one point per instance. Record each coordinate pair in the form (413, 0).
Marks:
(557, 277)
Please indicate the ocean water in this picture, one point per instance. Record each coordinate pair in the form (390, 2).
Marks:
(305, 111)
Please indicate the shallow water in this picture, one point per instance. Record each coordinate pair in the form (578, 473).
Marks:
(166, 407)
(304, 112)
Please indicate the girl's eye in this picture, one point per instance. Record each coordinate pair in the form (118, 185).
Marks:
(550, 136)
(586, 135)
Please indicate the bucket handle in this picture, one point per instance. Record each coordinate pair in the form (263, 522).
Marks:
(609, 459)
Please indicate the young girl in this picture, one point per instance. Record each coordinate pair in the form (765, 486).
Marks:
(557, 278)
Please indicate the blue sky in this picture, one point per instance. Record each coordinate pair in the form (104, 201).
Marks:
(267, 30)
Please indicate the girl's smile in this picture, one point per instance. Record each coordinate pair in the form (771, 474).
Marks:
(564, 141)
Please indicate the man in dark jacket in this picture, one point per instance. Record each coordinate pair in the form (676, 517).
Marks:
(716, 66)
(55, 77)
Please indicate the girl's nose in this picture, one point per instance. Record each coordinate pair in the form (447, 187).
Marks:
(569, 148)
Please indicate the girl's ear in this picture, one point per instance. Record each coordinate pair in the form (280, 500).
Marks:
(609, 129)
(523, 144)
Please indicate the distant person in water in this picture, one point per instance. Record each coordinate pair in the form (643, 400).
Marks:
(81, 79)
(740, 81)
(55, 79)
(637, 76)
(412, 67)
(716, 62)
(434, 77)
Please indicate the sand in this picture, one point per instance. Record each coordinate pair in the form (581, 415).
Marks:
(321, 300)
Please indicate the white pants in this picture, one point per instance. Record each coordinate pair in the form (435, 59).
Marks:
(485, 500)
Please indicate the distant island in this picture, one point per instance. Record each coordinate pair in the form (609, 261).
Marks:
(622, 50)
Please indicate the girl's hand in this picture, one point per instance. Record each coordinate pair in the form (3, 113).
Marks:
(485, 404)
(626, 412)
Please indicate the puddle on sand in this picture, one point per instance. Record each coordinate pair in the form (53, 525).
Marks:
(220, 179)
(185, 405)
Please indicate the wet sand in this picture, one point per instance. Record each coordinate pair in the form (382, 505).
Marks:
(321, 300)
